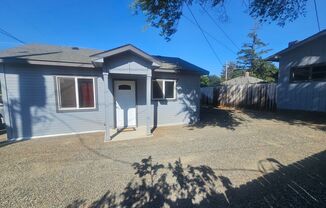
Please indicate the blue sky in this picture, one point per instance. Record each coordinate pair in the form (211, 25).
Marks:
(105, 24)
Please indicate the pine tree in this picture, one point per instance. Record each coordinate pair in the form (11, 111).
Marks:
(251, 51)
(250, 58)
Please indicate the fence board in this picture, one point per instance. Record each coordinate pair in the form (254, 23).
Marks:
(256, 96)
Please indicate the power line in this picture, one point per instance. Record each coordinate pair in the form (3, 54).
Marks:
(4, 32)
(201, 30)
(317, 15)
(219, 27)
(210, 35)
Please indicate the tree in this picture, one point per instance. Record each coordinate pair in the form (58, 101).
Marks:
(250, 58)
(266, 70)
(251, 51)
(204, 81)
(165, 14)
(209, 80)
(233, 71)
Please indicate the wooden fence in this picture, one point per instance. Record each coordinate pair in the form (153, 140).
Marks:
(254, 96)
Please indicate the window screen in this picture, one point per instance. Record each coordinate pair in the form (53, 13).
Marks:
(86, 93)
(157, 89)
(301, 74)
(169, 89)
(319, 73)
(67, 92)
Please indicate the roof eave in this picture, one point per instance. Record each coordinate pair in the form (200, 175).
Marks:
(47, 63)
(276, 56)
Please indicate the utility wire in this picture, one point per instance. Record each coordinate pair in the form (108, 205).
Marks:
(210, 35)
(4, 32)
(317, 15)
(201, 30)
(219, 27)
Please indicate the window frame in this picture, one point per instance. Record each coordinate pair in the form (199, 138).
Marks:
(77, 108)
(163, 89)
(310, 79)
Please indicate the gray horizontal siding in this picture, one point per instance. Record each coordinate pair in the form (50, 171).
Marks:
(310, 96)
(32, 102)
(183, 110)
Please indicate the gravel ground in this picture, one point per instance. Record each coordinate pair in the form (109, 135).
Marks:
(226, 160)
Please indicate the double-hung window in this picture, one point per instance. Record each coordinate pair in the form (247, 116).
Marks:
(163, 89)
(76, 93)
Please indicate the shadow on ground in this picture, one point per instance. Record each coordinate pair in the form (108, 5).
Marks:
(300, 184)
(230, 119)
(316, 120)
(218, 117)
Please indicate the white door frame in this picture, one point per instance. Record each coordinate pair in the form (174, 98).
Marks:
(115, 103)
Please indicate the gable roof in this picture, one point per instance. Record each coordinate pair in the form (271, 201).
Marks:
(83, 57)
(122, 49)
(242, 80)
(276, 56)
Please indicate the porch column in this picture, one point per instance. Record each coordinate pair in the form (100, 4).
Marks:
(148, 104)
(107, 136)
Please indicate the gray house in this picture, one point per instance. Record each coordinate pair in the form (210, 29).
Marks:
(53, 90)
(302, 74)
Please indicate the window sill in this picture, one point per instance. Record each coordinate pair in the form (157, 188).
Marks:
(307, 81)
(165, 99)
(70, 110)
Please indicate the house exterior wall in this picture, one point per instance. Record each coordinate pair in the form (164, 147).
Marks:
(308, 96)
(30, 102)
(30, 99)
(183, 110)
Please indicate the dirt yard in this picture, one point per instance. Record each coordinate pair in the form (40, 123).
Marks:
(230, 159)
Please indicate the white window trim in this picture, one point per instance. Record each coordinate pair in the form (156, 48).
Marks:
(163, 89)
(76, 92)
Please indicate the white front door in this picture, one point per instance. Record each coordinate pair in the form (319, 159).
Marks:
(125, 102)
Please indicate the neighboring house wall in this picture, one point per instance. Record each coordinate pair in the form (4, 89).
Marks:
(309, 96)
(31, 102)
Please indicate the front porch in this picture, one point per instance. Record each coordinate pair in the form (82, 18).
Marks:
(127, 105)
(128, 133)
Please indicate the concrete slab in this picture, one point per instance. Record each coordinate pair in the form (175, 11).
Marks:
(128, 134)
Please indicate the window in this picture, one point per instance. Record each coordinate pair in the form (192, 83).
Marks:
(319, 73)
(124, 87)
(163, 89)
(76, 93)
(300, 74)
(309, 73)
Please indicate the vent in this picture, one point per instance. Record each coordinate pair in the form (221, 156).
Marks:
(292, 43)
(75, 48)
